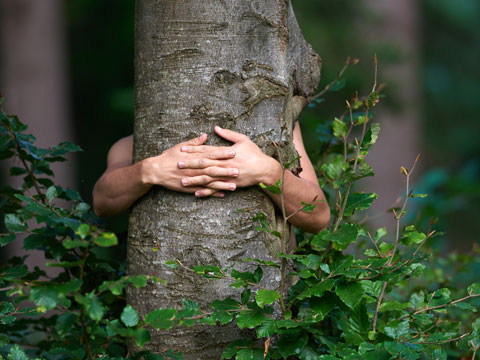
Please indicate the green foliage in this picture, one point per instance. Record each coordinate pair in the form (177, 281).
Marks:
(90, 318)
(394, 301)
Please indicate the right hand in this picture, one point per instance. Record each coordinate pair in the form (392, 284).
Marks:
(164, 169)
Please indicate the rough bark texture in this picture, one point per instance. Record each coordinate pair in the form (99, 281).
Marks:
(233, 63)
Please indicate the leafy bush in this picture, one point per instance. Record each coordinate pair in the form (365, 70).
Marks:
(395, 301)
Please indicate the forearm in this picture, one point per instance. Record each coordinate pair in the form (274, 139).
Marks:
(118, 189)
(295, 191)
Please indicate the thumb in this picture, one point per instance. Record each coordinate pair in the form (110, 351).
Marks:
(200, 140)
(229, 134)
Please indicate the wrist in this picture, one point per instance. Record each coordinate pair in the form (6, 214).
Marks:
(272, 171)
(146, 170)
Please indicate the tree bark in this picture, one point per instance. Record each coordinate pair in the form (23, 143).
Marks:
(233, 63)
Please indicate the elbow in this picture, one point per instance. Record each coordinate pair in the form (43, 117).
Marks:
(321, 220)
(98, 209)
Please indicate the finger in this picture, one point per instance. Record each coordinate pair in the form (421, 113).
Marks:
(222, 185)
(197, 180)
(218, 194)
(201, 163)
(204, 192)
(219, 172)
(229, 134)
(212, 152)
(200, 140)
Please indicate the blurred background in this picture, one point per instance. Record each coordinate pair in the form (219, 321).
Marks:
(66, 68)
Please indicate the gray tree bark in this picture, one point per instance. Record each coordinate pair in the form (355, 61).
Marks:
(242, 65)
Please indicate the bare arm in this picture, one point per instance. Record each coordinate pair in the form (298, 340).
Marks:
(123, 183)
(255, 167)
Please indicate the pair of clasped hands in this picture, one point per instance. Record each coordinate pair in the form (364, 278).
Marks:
(210, 170)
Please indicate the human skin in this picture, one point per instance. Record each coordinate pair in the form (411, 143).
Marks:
(203, 170)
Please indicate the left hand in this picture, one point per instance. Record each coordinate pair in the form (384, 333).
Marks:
(253, 165)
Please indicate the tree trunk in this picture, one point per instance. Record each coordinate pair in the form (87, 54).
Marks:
(233, 63)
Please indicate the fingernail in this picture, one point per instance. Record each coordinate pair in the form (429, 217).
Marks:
(218, 128)
(184, 181)
(233, 187)
(181, 164)
(235, 172)
(221, 194)
(184, 148)
(197, 193)
(231, 153)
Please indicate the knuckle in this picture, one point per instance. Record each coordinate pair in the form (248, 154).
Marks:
(201, 163)
(204, 179)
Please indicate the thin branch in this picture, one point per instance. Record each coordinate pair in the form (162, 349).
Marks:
(348, 62)
(428, 308)
(379, 303)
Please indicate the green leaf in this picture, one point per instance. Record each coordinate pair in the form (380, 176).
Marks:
(344, 236)
(94, 307)
(308, 207)
(359, 201)
(266, 297)
(68, 243)
(250, 318)
(274, 189)
(172, 264)
(292, 344)
(339, 128)
(51, 193)
(129, 316)
(138, 280)
(65, 322)
(263, 262)
(412, 236)
(45, 296)
(335, 169)
(106, 240)
(309, 353)
(321, 306)
(397, 330)
(17, 354)
(235, 346)
(371, 136)
(290, 163)
(267, 328)
(161, 319)
(350, 292)
(142, 336)
(222, 316)
(14, 224)
(226, 304)
(245, 296)
(83, 230)
(474, 289)
(372, 99)
(6, 239)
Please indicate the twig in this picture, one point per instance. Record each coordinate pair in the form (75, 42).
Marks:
(86, 336)
(428, 308)
(398, 217)
(226, 277)
(379, 303)
(284, 231)
(348, 62)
